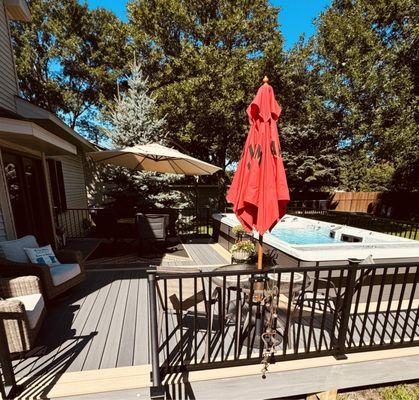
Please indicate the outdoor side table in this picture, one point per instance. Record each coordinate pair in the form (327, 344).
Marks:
(243, 284)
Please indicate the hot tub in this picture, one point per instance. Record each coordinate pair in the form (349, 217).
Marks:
(298, 241)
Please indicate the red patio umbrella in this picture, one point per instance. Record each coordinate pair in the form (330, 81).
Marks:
(259, 191)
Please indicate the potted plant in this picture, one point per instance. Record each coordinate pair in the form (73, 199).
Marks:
(242, 250)
(238, 231)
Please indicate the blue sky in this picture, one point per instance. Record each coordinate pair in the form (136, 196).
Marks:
(295, 18)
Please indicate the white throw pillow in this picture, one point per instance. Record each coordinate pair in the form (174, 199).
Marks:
(42, 255)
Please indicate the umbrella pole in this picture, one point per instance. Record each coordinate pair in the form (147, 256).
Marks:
(260, 252)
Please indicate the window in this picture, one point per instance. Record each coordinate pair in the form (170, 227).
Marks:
(57, 185)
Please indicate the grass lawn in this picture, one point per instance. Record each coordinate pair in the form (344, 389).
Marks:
(397, 392)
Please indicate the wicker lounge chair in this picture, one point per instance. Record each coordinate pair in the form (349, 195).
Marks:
(55, 280)
(22, 310)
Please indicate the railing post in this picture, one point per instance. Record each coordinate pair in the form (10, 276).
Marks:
(8, 390)
(156, 391)
(346, 309)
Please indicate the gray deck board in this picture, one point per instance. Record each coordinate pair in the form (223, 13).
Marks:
(94, 353)
(126, 348)
(110, 352)
(142, 329)
(91, 324)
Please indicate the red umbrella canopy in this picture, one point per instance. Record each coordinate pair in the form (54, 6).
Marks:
(259, 191)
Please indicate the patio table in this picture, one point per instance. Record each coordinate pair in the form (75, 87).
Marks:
(245, 287)
(246, 283)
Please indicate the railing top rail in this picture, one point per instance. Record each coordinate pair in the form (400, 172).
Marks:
(253, 272)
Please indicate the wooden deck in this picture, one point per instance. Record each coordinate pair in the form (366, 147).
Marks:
(103, 324)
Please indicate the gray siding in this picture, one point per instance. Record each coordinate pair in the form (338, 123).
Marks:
(8, 80)
(3, 235)
(76, 195)
(74, 181)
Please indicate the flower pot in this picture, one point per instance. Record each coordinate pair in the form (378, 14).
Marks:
(241, 255)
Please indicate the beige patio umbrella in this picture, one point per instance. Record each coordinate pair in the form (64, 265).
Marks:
(154, 157)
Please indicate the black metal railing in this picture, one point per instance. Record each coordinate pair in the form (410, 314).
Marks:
(406, 229)
(222, 318)
(102, 222)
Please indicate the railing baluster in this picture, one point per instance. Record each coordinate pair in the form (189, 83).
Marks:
(180, 320)
(399, 305)
(377, 311)
(313, 309)
(409, 306)
(326, 303)
(195, 316)
(250, 311)
(166, 321)
(209, 318)
(287, 323)
(367, 307)
(300, 313)
(223, 317)
(390, 299)
(238, 320)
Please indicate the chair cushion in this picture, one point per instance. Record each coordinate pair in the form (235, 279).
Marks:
(13, 250)
(34, 305)
(64, 272)
(42, 255)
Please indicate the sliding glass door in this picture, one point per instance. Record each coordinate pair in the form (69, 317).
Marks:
(27, 191)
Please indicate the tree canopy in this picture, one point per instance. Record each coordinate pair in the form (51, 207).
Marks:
(349, 94)
(367, 52)
(68, 59)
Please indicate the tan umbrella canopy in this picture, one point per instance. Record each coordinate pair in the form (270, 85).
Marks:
(154, 157)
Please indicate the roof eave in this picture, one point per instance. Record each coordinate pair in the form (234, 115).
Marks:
(30, 112)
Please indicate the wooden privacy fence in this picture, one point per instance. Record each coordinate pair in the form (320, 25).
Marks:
(354, 201)
(203, 320)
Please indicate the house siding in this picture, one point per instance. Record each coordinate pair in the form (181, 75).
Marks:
(74, 181)
(3, 234)
(76, 195)
(8, 79)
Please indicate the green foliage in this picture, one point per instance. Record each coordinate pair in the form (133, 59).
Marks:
(68, 58)
(133, 121)
(311, 158)
(360, 173)
(238, 230)
(368, 57)
(246, 246)
(133, 115)
(349, 95)
(206, 60)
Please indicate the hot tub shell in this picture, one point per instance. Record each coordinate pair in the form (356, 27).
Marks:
(380, 247)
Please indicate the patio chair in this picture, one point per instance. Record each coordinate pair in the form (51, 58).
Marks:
(152, 227)
(327, 296)
(202, 300)
(22, 310)
(55, 280)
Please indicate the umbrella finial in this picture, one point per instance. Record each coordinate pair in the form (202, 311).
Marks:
(265, 80)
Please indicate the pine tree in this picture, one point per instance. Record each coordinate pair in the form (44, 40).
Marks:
(133, 116)
(133, 121)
